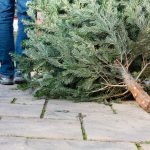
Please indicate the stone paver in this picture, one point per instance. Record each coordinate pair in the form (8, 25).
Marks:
(40, 128)
(79, 145)
(145, 146)
(18, 110)
(8, 93)
(5, 87)
(11, 91)
(11, 143)
(59, 109)
(5, 100)
(131, 109)
(36, 144)
(22, 129)
(119, 127)
(14, 94)
(26, 100)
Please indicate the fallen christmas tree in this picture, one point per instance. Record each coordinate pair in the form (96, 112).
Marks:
(90, 50)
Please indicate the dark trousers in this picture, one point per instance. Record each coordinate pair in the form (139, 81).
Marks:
(7, 8)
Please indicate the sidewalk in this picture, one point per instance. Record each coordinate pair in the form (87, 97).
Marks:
(29, 124)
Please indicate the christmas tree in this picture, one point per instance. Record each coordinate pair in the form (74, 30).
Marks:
(90, 50)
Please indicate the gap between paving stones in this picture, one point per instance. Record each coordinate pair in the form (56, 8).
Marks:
(71, 139)
(109, 104)
(13, 101)
(44, 109)
(81, 119)
(137, 145)
(42, 138)
(143, 145)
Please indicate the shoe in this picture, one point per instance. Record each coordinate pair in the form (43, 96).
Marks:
(5, 80)
(18, 78)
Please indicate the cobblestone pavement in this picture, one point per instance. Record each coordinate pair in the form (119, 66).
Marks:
(30, 124)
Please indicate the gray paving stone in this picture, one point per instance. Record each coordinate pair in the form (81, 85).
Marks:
(40, 128)
(124, 126)
(11, 92)
(7, 94)
(7, 87)
(8, 143)
(61, 109)
(131, 109)
(30, 100)
(18, 110)
(5, 100)
(146, 146)
(78, 145)
(12, 143)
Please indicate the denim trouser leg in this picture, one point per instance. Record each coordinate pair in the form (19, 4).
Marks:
(6, 36)
(22, 15)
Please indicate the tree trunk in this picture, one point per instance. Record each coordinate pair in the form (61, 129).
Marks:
(142, 98)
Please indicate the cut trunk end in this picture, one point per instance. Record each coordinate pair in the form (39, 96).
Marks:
(142, 98)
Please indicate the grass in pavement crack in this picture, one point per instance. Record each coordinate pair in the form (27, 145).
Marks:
(44, 109)
(138, 146)
(81, 116)
(111, 106)
(113, 109)
(13, 101)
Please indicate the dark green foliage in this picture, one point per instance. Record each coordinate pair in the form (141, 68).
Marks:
(73, 53)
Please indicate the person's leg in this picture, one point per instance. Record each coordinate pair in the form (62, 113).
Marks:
(22, 15)
(6, 37)
(21, 36)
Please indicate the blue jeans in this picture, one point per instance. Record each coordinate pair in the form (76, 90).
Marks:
(7, 45)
